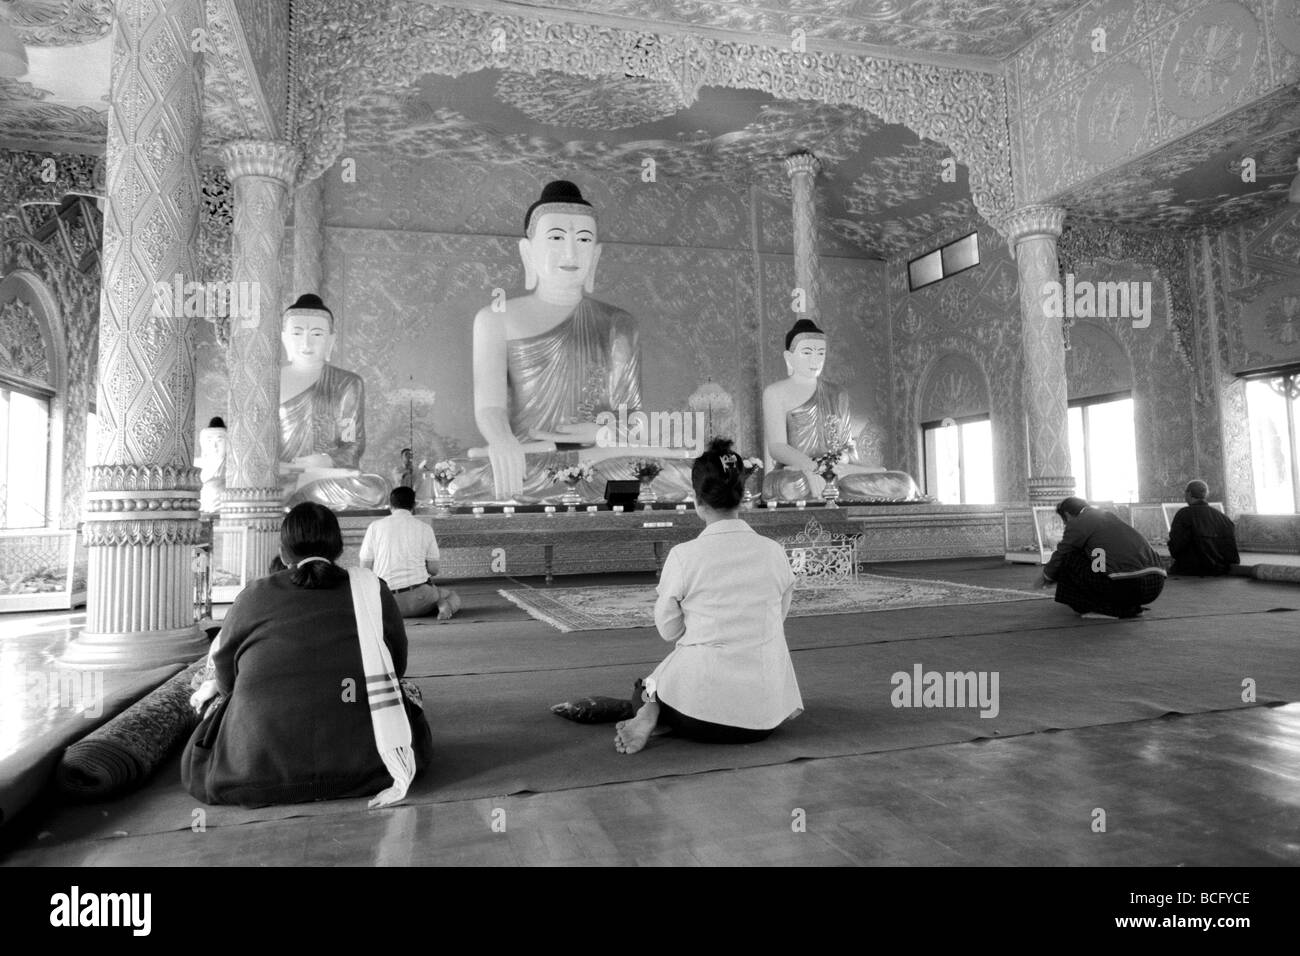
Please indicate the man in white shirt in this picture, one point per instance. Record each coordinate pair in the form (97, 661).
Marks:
(404, 552)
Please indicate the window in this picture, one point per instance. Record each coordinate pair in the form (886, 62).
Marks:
(1273, 411)
(24, 457)
(959, 460)
(1103, 448)
(957, 256)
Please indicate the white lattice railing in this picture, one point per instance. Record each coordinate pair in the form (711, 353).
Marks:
(820, 559)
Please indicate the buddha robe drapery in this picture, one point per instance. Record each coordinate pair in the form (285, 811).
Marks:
(809, 428)
(329, 418)
(587, 364)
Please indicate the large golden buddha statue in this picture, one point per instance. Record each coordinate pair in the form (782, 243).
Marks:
(549, 364)
(322, 417)
(803, 416)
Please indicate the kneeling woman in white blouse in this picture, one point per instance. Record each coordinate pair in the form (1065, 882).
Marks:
(723, 598)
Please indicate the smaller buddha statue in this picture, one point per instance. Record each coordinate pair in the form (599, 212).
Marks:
(211, 464)
(803, 416)
(322, 417)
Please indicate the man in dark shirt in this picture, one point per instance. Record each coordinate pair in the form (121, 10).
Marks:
(1202, 540)
(1101, 565)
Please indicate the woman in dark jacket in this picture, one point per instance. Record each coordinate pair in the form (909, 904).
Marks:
(293, 722)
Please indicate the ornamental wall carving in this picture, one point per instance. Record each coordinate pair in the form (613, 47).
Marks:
(22, 347)
(245, 70)
(385, 47)
(1167, 71)
(1168, 252)
(66, 260)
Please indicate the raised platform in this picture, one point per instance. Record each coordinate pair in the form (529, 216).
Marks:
(582, 542)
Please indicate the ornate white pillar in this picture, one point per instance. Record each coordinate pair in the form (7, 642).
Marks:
(308, 238)
(1032, 232)
(142, 518)
(803, 169)
(261, 175)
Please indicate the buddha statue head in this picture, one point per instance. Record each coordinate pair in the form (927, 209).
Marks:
(559, 248)
(307, 333)
(212, 440)
(805, 350)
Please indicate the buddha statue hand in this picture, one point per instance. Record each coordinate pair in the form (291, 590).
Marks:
(816, 484)
(507, 458)
(579, 433)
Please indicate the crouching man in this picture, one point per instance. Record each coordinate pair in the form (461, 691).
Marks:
(1102, 567)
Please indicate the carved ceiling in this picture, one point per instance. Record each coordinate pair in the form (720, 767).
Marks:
(61, 103)
(1236, 169)
(978, 29)
(881, 185)
(882, 188)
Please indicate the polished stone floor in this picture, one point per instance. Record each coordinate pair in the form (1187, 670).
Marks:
(1218, 789)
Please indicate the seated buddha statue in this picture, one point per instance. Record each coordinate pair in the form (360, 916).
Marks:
(803, 415)
(551, 366)
(322, 417)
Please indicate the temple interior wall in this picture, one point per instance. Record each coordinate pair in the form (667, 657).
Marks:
(957, 353)
(1246, 282)
(1155, 59)
(42, 277)
(415, 248)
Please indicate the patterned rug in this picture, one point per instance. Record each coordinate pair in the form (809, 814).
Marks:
(598, 609)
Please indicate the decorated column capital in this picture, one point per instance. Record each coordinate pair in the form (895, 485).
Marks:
(261, 157)
(802, 162)
(1030, 222)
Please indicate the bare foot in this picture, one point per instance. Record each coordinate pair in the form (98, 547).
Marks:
(631, 735)
(448, 606)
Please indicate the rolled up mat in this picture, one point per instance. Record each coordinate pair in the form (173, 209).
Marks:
(1277, 572)
(120, 756)
(25, 773)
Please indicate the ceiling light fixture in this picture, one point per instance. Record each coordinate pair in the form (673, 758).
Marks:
(13, 55)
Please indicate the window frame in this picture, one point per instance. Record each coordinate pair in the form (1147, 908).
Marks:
(943, 273)
(42, 393)
(1084, 487)
(926, 454)
(1281, 372)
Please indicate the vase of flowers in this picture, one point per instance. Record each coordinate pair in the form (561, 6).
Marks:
(444, 473)
(749, 468)
(571, 475)
(646, 470)
(826, 464)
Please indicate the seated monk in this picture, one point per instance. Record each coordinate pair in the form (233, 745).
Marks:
(322, 417)
(803, 415)
(549, 364)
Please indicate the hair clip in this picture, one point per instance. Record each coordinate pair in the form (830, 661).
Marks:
(728, 461)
